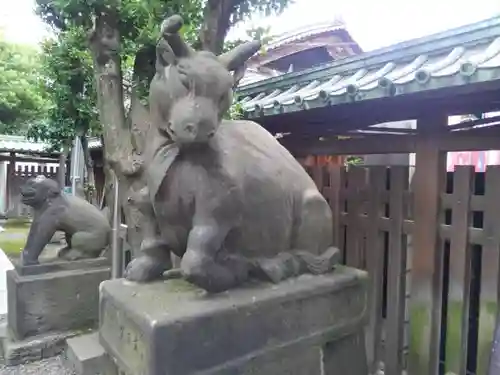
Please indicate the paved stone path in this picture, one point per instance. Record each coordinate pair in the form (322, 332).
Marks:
(5, 265)
(50, 366)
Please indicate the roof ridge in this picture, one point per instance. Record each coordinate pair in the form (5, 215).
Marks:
(305, 31)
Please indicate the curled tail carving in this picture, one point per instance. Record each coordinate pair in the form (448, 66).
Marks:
(295, 263)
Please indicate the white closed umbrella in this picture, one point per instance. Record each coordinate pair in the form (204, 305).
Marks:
(77, 170)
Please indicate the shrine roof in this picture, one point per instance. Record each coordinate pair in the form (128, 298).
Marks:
(304, 32)
(454, 58)
(13, 143)
(21, 144)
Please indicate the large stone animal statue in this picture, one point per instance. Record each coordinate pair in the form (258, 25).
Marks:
(224, 196)
(87, 230)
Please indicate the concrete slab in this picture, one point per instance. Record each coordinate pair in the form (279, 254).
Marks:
(33, 349)
(56, 297)
(307, 325)
(85, 356)
(5, 265)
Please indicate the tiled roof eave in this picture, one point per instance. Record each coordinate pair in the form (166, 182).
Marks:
(463, 64)
(442, 43)
(484, 76)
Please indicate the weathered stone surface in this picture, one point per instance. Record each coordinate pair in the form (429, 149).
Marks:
(85, 356)
(224, 196)
(86, 229)
(55, 297)
(58, 265)
(35, 348)
(171, 327)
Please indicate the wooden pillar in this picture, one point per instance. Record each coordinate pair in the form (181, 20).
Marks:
(425, 303)
(11, 172)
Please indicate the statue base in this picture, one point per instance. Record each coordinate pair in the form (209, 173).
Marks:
(307, 325)
(48, 303)
(35, 348)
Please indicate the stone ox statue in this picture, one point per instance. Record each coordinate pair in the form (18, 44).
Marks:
(224, 196)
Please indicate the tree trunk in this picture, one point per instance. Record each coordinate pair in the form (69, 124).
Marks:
(216, 25)
(118, 151)
(89, 181)
(61, 173)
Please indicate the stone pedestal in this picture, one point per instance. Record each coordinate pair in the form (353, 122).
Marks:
(49, 302)
(309, 325)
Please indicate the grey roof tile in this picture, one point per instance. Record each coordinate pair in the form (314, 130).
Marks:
(458, 57)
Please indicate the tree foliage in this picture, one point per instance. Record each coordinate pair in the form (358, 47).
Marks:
(67, 65)
(22, 96)
(68, 62)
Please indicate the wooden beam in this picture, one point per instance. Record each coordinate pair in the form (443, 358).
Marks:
(427, 252)
(476, 140)
(460, 275)
(472, 123)
(396, 274)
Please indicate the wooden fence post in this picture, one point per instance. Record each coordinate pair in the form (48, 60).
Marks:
(375, 265)
(356, 181)
(396, 273)
(427, 263)
(460, 269)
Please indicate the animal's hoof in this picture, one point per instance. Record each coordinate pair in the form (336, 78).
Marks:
(144, 269)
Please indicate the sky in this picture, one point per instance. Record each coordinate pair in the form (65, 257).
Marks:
(372, 23)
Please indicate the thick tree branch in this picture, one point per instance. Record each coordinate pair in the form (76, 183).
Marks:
(217, 15)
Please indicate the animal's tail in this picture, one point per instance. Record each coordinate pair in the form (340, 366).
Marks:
(295, 263)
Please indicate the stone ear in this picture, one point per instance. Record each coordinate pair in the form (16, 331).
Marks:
(237, 57)
(171, 46)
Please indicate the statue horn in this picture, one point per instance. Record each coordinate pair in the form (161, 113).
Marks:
(172, 24)
(235, 58)
(170, 28)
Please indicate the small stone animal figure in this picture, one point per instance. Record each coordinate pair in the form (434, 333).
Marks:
(225, 196)
(87, 230)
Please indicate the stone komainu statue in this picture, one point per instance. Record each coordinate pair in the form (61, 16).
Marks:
(223, 195)
(86, 228)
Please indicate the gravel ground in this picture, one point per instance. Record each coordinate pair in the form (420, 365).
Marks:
(51, 366)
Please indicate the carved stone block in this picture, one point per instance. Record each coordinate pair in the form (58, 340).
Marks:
(54, 297)
(296, 327)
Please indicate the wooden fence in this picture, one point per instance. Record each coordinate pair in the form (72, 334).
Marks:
(14, 182)
(373, 207)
